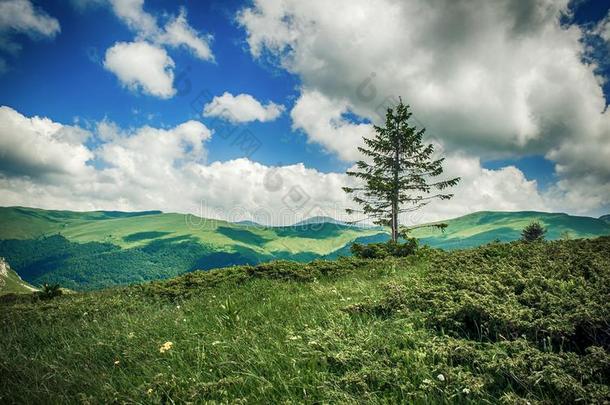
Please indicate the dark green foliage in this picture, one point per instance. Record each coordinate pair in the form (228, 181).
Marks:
(530, 316)
(195, 282)
(385, 249)
(312, 230)
(242, 235)
(49, 291)
(138, 236)
(397, 176)
(534, 232)
(93, 265)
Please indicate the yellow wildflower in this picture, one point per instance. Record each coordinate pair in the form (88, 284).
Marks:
(165, 347)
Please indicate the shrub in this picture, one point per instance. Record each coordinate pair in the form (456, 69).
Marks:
(534, 232)
(383, 250)
(49, 291)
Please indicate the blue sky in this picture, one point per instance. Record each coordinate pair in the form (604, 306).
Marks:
(290, 58)
(72, 83)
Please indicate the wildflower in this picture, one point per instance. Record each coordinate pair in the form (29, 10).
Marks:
(440, 377)
(149, 391)
(165, 347)
(177, 306)
(116, 362)
(466, 391)
(216, 342)
(131, 335)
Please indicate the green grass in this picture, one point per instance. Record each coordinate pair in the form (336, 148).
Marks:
(348, 331)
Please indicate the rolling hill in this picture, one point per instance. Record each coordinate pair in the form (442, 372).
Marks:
(88, 250)
(486, 226)
(91, 250)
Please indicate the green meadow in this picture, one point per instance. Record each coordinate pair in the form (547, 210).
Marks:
(501, 323)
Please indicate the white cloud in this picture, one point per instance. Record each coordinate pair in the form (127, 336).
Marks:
(178, 33)
(132, 13)
(21, 17)
(322, 121)
(153, 168)
(496, 78)
(140, 65)
(241, 108)
(145, 63)
(603, 28)
(38, 147)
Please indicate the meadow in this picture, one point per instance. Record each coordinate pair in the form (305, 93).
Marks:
(501, 323)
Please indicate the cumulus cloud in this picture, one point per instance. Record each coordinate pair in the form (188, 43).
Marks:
(38, 147)
(322, 119)
(496, 78)
(241, 108)
(140, 65)
(47, 164)
(21, 17)
(144, 64)
(179, 33)
(176, 33)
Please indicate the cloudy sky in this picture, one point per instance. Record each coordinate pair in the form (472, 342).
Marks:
(255, 109)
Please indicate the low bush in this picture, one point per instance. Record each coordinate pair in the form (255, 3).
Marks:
(386, 249)
(535, 317)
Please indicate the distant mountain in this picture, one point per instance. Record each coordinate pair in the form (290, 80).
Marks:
(320, 220)
(605, 218)
(249, 223)
(486, 226)
(330, 220)
(89, 250)
(10, 282)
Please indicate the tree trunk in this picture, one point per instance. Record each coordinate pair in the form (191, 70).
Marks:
(395, 186)
(394, 221)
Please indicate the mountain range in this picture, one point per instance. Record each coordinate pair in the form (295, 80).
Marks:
(92, 250)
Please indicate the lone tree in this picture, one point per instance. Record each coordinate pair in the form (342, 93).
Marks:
(399, 173)
(534, 232)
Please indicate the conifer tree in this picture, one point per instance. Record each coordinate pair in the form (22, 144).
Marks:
(398, 173)
(533, 232)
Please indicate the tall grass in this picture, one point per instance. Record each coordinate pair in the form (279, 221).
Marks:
(285, 332)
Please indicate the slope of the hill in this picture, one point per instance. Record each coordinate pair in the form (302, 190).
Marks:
(486, 226)
(10, 282)
(502, 323)
(87, 250)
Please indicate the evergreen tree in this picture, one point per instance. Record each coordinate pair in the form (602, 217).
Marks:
(398, 174)
(534, 232)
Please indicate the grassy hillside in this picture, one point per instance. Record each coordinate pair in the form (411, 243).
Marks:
(92, 250)
(10, 282)
(486, 226)
(503, 323)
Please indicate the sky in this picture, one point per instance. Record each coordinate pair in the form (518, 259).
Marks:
(254, 110)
